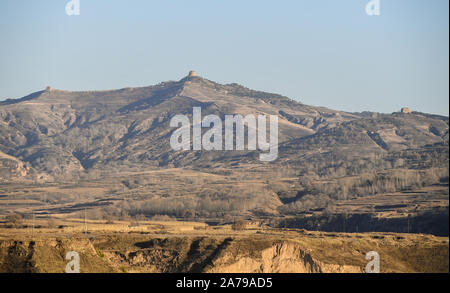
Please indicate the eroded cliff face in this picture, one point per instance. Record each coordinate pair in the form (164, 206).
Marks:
(178, 254)
(12, 168)
(48, 256)
(215, 257)
(284, 257)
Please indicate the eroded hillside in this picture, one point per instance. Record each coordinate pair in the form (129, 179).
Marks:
(294, 252)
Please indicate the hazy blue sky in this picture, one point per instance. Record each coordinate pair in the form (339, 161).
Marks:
(320, 52)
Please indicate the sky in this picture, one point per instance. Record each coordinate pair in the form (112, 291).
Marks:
(319, 52)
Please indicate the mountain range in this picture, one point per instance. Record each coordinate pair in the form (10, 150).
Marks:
(121, 138)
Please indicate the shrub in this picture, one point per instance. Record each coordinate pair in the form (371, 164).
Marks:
(14, 220)
(189, 214)
(162, 218)
(52, 223)
(239, 225)
(133, 224)
(99, 252)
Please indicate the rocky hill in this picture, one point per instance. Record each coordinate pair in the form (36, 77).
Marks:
(60, 132)
(120, 139)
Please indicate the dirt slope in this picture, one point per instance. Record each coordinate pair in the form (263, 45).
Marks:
(308, 253)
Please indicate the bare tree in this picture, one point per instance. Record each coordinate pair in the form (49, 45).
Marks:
(239, 225)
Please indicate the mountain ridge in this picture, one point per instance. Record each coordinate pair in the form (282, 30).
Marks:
(118, 140)
(144, 109)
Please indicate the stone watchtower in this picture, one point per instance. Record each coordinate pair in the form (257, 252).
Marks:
(405, 110)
